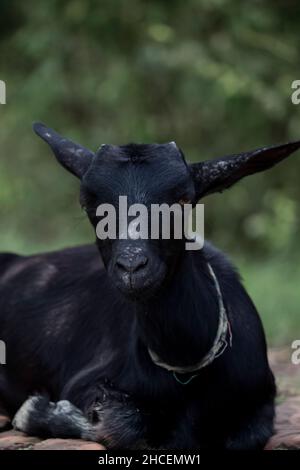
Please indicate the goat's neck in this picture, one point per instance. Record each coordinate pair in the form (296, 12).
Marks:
(181, 324)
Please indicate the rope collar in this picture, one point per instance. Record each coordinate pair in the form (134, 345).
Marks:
(219, 345)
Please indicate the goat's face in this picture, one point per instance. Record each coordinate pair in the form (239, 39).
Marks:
(149, 174)
(145, 174)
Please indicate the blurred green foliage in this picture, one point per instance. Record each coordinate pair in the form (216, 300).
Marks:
(214, 75)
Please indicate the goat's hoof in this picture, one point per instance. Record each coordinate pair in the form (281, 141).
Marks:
(64, 406)
(22, 418)
(40, 417)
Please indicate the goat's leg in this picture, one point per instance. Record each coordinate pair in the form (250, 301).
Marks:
(113, 423)
(256, 432)
(41, 417)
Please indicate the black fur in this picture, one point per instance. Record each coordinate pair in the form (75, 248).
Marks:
(70, 334)
(76, 331)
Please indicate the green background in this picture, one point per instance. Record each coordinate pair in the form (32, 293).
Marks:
(213, 75)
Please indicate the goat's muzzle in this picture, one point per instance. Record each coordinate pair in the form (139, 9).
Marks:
(137, 274)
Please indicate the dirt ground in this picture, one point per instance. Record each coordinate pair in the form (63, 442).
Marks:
(288, 401)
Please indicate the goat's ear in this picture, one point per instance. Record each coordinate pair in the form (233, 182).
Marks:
(72, 156)
(221, 173)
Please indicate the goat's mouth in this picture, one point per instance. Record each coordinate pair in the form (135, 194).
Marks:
(141, 285)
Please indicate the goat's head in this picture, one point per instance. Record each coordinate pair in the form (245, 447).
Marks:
(149, 174)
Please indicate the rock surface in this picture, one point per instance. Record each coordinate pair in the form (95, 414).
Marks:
(287, 427)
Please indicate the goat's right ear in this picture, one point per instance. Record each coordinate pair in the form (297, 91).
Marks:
(216, 175)
(72, 156)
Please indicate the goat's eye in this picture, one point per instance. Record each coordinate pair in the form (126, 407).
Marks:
(184, 200)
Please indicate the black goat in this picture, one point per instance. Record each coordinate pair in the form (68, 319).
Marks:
(146, 345)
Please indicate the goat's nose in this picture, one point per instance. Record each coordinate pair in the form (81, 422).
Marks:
(131, 264)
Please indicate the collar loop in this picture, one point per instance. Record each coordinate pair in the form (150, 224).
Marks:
(219, 345)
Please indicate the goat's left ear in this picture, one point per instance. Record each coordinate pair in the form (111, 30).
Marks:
(74, 157)
(221, 173)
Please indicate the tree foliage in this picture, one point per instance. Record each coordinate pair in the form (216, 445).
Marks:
(213, 75)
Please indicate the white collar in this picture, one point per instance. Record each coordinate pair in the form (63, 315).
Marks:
(219, 345)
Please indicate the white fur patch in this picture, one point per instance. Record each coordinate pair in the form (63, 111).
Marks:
(20, 420)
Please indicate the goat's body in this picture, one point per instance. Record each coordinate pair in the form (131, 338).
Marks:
(70, 334)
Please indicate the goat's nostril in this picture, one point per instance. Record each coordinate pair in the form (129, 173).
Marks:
(131, 264)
